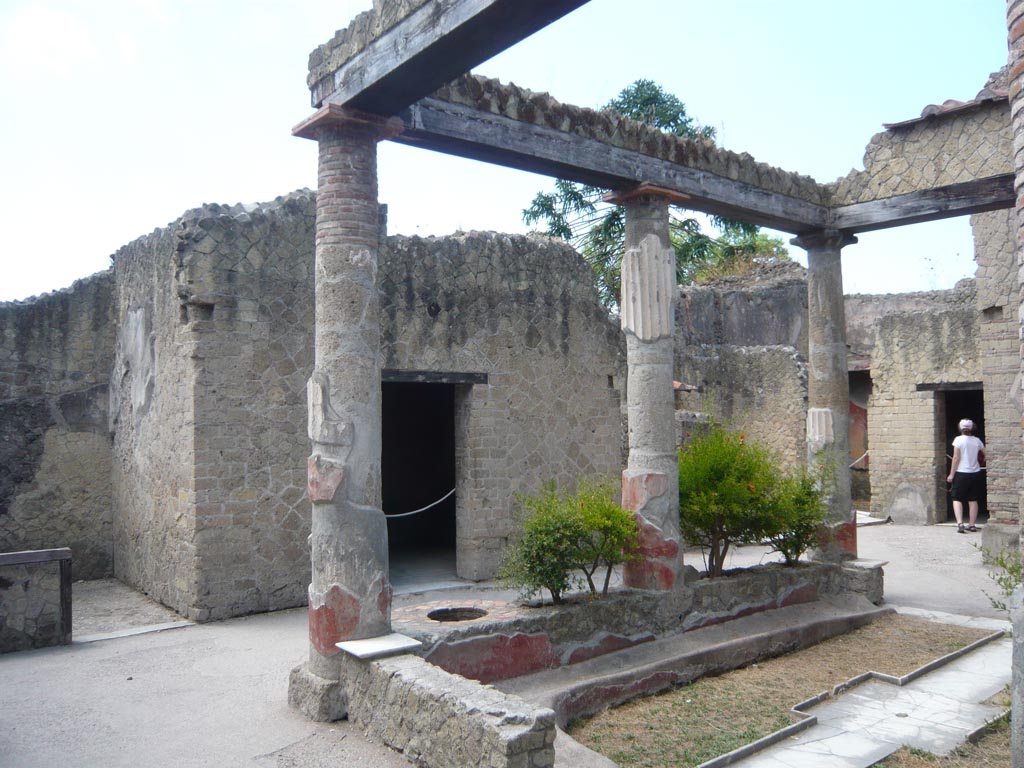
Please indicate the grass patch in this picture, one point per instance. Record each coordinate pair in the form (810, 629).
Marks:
(990, 751)
(712, 716)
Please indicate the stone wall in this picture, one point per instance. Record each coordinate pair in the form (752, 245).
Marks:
(55, 452)
(209, 395)
(436, 718)
(523, 310)
(152, 417)
(999, 348)
(906, 431)
(741, 342)
(30, 606)
(929, 152)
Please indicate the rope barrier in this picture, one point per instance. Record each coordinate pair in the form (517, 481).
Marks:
(858, 460)
(423, 509)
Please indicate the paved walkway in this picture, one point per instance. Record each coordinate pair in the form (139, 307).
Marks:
(936, 712)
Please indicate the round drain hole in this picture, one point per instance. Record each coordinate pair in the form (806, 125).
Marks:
(456, 614)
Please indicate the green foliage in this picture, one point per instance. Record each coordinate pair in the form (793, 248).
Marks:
(799, 509)
(575, 212)
(566, 535)
(726, 494)
(733, 492)
(1008, 574)
(612, 531)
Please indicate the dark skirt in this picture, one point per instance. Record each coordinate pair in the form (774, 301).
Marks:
(967, 486)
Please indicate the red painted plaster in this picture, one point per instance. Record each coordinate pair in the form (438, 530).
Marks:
(846, 537)
(651, 543)
(805, 593)
(384, 600)
(606, 644)
(638, 488)
(333, 621)
(323, 478)
(648, 574)
(495, 657)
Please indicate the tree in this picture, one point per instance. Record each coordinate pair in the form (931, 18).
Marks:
(576, 213)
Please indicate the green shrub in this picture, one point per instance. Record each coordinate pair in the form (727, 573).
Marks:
(799, 509)
(1008, 574)
(611, 530)
(567, 537)
(727, 493)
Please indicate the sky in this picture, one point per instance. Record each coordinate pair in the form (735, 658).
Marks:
(120, 115)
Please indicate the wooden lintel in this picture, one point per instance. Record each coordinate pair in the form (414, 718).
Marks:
(393, 376)
(461, 130)
(35, 556)
(952, 386)
(432, 46)
(989, 194)
(333, 115)
(620, 197)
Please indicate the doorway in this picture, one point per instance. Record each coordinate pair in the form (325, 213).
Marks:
(418, 469)
(963, 404)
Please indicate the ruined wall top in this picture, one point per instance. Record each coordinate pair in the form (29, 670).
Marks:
(615, 130)
(929, 151)
(361, 31)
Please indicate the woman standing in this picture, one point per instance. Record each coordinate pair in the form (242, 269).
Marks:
(965, 474)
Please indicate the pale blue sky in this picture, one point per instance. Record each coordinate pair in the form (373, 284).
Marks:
(122, 114)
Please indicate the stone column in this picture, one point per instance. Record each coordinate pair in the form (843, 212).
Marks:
(1015, 37)
(350, 595)
(828, 383)
(650, 483)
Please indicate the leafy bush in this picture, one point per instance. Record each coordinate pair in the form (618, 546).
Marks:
(799, 510)
(733, 492)
(566, 535)
(726, 494)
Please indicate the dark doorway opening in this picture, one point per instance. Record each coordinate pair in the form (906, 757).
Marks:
(963, 404)
(417, 469)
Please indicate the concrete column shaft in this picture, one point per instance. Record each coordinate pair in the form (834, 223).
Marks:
(828, 383)
(350, 595)
(650, 484)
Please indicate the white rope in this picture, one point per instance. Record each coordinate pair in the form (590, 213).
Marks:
(858, 460)
(423, 509)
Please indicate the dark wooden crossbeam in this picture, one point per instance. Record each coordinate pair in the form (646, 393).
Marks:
(457, 129)
(432, 46)
(989, 194)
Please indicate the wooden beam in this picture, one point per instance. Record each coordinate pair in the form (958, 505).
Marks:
(432, 46)
(393, 376)
(988, 194)
(29, 556)
(461, 130)
(952, 386)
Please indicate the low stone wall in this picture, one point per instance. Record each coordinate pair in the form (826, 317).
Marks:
(32, 613)
(441, 719)
(514, 640)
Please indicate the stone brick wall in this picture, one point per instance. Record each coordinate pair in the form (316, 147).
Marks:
(30, 606)
(999, 348)
(523, 311)
(436, 718)
(929, 153)
(55, 452)
(152, 416)
(906, 431)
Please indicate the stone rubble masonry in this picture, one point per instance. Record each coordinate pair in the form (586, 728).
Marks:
(55, 452)
(439, 719)
(615, 130)
(524, 311)
(209, 392)
(905, 432)
(742, 342)
(30, 606)
(999, 350)
(931, 153)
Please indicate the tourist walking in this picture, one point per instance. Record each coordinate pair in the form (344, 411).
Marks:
(965, 475)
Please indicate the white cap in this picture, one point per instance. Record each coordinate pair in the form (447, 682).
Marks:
(966, 424)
